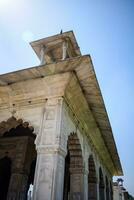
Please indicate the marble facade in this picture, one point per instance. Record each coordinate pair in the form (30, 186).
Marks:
(60, 103)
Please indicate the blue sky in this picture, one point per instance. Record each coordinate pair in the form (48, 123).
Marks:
(104, 29)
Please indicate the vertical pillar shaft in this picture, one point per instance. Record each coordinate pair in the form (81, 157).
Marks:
(97, 190)
(64, 50)
(86, 184)
(42, 56)
(77, 185)
(76, 169)
(49, 176)
(49, 173)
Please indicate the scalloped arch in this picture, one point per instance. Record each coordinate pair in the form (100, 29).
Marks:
(12, 122)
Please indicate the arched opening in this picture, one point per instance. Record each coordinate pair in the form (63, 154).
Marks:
(18, 140)
(73, 178)
(111, 191)
(92, 180)
(19, 131)
(5, 174)
(107, 189)
(101, 185)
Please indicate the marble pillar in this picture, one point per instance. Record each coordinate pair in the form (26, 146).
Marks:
(49, 173)
(76, 184)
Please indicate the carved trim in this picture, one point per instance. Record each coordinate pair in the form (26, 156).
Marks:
(44, 149)
(12, 122)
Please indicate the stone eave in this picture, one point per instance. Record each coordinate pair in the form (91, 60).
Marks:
(83, 68)
(82, 116)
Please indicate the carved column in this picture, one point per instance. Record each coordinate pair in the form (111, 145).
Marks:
(49, 173)
(77, 183)
(97, 190)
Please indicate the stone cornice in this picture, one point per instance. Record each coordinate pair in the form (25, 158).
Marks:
(33, 91)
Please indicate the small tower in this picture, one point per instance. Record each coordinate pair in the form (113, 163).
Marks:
(56, 48)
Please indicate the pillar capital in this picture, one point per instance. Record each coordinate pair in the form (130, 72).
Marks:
(54, 100)
(50, 123)
(45, 149)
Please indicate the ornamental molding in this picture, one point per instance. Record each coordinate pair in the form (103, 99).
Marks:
(12, 122)
(45, 149)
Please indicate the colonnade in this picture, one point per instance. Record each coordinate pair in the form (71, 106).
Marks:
(60, 173)
(71, 184)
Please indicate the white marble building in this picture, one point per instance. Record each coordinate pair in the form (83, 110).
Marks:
(58, 106)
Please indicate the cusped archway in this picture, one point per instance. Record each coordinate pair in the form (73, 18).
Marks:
(13, 123)
(74, 177)
(17, 138)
